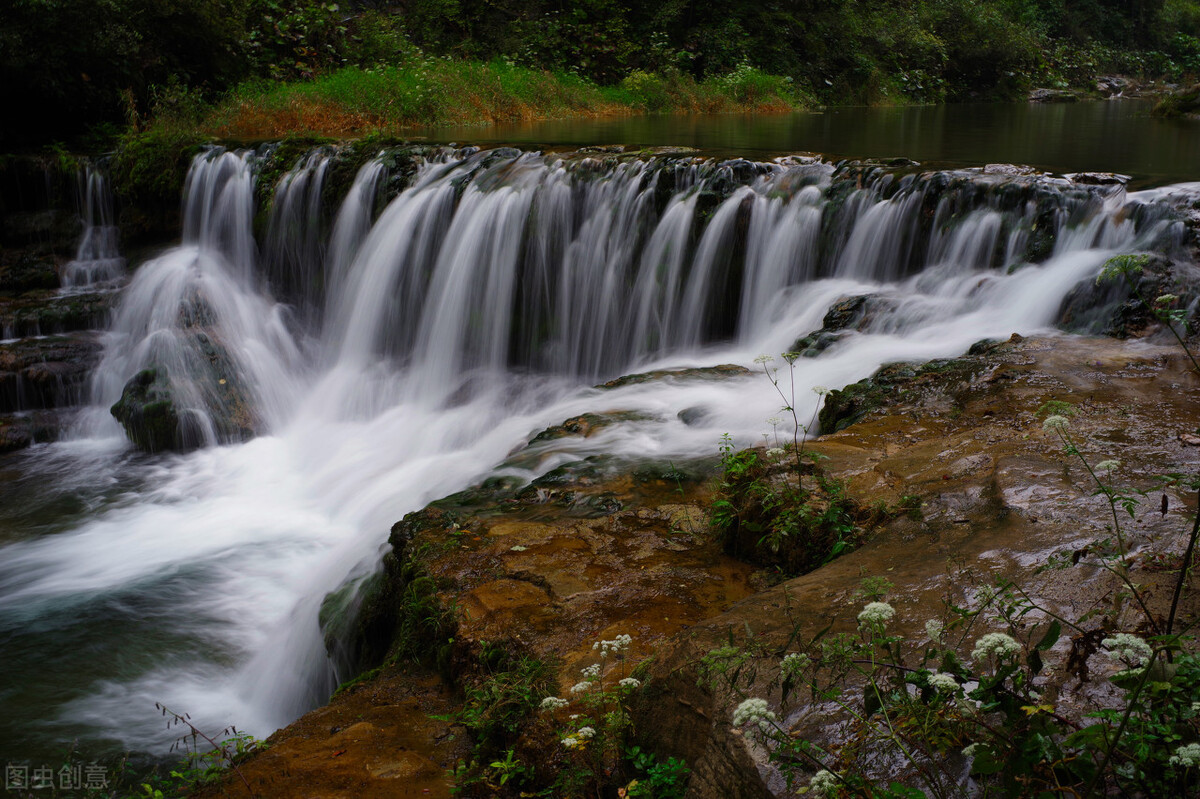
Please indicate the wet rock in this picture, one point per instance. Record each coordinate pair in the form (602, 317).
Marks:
(1115, 307)
(720, 372)
(23, 271)
(1009, 169)
(583, 426)
(1098, 178)
(55, 230)
(848, 313)
(1185, 102)
(939, 383)
(1052, 96)
(147, 412)
(43, 313)
(21, 430)
(1111, 85)
(45, 372)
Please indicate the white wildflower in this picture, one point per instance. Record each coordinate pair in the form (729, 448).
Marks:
(934, 629)
(794, 663)
(774, 421)
(630, 682)
(614, 647)
(554, 703)
(591, 672)
(517, 548)
(580, 687)
(586, 732)
(1107, 466)
(573, 716)
(754, 710)
(1129, 649)
(1186, 756)
(764, 359)
(823, 783)
(821, 391)
(969, 751)
(999, 645)
(1056, 422)
(945, 683)
(775, 452)
(875, 614)
(571, 742)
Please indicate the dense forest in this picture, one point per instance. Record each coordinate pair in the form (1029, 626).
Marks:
(75, 68)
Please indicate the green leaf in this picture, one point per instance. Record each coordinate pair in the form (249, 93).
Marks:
(1051, 636)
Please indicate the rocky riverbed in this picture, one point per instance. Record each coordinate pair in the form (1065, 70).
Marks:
(602, 550)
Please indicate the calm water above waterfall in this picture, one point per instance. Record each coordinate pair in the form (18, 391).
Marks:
(1114, 136)
(348, 365)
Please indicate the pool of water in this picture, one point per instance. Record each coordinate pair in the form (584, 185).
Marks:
(1112, 136)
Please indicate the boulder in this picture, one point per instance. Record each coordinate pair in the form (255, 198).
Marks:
(147, 410)
(1052, 96)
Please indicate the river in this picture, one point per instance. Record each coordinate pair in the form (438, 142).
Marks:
(478, 307)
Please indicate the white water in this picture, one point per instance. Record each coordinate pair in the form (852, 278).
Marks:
(98, 257)
(454, 330)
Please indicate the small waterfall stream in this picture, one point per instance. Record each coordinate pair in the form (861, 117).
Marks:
(98, 259)
(358, 365)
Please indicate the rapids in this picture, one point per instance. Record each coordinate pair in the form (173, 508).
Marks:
(401, 348)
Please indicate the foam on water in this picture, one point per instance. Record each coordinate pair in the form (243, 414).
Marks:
(478, 309)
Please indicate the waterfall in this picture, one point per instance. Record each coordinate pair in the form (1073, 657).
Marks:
(98, 258)
(194, 318)
(377, 356)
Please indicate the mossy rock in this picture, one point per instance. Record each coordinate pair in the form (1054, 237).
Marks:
(719, 372)
(147, 412)
(25, 271)
(943, 379)
(1185, 102)
(584, 426)
(848, 313)
(1116, 308)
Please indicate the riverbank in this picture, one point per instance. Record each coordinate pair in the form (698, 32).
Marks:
(539, 575)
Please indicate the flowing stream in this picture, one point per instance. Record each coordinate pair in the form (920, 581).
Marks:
(396, 351)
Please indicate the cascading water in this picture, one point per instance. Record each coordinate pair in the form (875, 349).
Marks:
(98, 259)
(477, 309)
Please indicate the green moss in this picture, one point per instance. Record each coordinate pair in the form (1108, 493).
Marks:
(148, 173)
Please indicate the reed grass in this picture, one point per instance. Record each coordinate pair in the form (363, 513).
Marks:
(353, 101)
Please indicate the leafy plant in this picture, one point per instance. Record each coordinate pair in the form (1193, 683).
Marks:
(202, 765)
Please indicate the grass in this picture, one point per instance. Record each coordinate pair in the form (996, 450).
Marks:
(353, 101)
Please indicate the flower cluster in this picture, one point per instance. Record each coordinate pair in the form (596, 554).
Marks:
(554, 703)
(572, 742)
(823, 783)
(934, 629)
(1129, 649)
(586, 733)
(580, 687)
(998, 645)
(1186, 756)
(614, 647)
(591, 672)
(629, 682)
(875, 615)
(943, 683)
(1056, 422)
(754, 710)
(794, 663)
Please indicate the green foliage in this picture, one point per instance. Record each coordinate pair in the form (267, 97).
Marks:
(206, 759)
(500, 699)
(661, 780)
